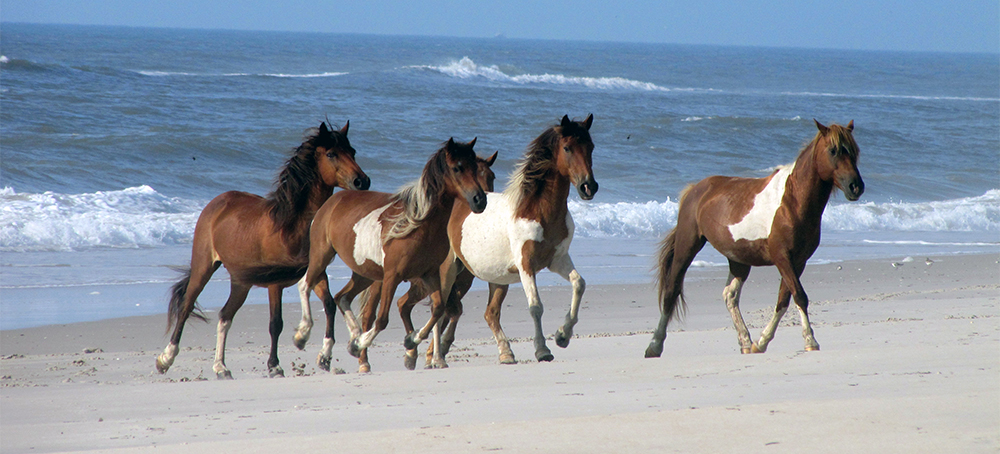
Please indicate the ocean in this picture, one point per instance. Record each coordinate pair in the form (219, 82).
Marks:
(112, 139)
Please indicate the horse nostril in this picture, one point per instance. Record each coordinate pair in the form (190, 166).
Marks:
(362, 183)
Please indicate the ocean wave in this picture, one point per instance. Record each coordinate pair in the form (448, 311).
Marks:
(130, 218)
(467, 69)
(281, 75)
(653, 219)
(888, 96)
(141, 217)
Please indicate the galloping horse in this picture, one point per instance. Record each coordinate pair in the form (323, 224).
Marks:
(392, 238)
(528, 227)
(759, 222)
(417, 292)
(256, 238)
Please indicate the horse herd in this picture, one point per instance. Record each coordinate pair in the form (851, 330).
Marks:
(448, 227)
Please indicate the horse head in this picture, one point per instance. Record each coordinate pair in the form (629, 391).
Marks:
(837, 158)
(573, 153)
(335, 159)
(461, 173)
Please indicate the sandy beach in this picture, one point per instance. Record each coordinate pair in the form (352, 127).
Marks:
(908, 363)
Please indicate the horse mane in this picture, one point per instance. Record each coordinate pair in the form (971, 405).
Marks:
(292, 186)
(418, 197)
(529, 174)
(839, 137)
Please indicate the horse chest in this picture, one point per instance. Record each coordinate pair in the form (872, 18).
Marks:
(757, 223)
(368, 239)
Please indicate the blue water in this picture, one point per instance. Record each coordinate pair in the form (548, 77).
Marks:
(113, 139)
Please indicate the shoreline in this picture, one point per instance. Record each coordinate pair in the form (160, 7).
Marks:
(907, 364)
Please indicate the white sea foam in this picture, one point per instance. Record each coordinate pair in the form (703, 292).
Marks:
(4, 59)
(141, 217)
(130, 218)
(466, 69)
(173, 73)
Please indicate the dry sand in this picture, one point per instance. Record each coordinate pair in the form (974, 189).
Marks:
(909, 363)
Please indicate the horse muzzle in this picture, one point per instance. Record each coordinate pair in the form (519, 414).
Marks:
(477, 202)
(853, 188)
(361, 182)
(587, 189)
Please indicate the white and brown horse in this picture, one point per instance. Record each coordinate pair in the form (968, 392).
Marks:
(392, 238)
(256, 238)
(759, 222)
(528, 228)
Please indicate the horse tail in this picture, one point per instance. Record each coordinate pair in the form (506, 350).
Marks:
(175, 309)
(271, 274)
(670, 290)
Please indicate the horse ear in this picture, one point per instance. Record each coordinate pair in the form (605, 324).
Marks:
(346, 127)
(589, 121)
(473, 142)
(850, 126)
(450, 145)
(822, 129)
(322, 128)
(490, 160)
(566, 121)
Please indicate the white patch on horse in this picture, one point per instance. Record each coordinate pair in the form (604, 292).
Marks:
(756, 225)
(492, 240)
(368, 238)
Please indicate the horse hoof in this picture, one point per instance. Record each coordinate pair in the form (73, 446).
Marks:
(224, 375)
(507, 358)
(364, 368)
(410, 361)
(323, 363)
(161, 365)
(812, 348)
(561, 339)
(275, 371)
(754, 348)
(437, 365)
(300, 341)
(653, 352)
(409, 343)
(353, 349)
(544, 355)
(745, 351)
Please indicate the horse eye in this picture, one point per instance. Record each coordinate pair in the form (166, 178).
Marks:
(456, 169)
(566, 149)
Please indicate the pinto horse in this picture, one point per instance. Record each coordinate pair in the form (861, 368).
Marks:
(255, 238)
(527, 228)
(417, 292)
(392, 238)
(759, 222)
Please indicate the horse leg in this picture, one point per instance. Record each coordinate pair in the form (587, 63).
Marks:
(463, 282)
(497, 294)
(738, 274)
(677, 251)
(405, 304)
(784, 296)
(342, 300)
(535, 308)
(185, 295)
(439, 283)
(563, 266)
(790, 273)
(237, 296)
(306, 324)
(274, 328)
(374, 326)
(370, 297)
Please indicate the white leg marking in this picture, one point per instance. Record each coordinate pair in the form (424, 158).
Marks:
(768, 334)
(220, 347)
(563, 266)
(306, 324)
(807, 331)
(731, 295)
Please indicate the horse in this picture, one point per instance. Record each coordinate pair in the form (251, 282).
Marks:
(256, 237)
(392, 238)
(767, 221)
(527, 228)
(417, 292)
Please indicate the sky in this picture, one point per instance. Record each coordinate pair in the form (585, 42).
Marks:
(896, 25)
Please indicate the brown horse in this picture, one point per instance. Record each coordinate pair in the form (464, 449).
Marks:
(256, 238)
(392, 238)
(528, 227)
(759, 222)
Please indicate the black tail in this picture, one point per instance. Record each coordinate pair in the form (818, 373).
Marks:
(271, 274)
(177, 292)
(669, 292)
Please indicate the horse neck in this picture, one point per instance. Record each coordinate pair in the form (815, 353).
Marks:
(547, 204)
(811, 192)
